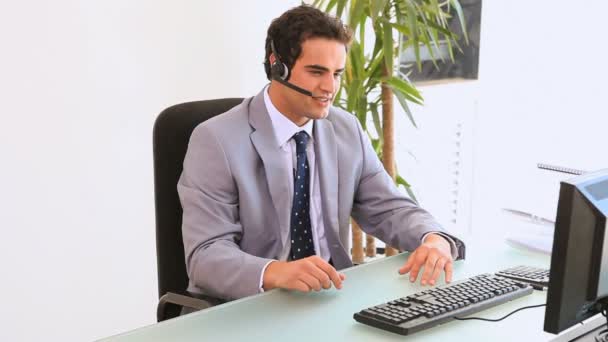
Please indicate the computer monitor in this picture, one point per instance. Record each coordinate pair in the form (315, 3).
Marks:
(578, 287)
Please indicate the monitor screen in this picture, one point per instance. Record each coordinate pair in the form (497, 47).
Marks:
(599, 191)
(579, 261)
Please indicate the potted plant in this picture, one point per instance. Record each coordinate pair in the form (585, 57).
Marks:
(371, 81)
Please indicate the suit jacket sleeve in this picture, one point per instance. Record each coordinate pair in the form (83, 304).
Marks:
(211, 228)
(383, 211)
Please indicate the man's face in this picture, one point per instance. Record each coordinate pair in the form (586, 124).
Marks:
(318, 70)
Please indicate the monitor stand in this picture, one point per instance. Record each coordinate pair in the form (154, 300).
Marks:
(595, 329)
(599, 334)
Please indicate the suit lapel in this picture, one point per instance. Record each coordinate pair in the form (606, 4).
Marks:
(326, 155)
(277, 173)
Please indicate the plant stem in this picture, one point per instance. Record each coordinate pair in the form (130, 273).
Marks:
(388, 133)
(357, 252)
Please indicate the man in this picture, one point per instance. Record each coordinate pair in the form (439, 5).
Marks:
(269, 186)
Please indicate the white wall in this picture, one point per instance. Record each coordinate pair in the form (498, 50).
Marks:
(542, 99)
(539, 99)
(80, 85)
(437, 157)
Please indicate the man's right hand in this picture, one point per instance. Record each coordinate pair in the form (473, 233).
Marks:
(312, 273)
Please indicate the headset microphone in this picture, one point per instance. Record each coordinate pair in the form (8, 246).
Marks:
(293, 86)
(280, 73)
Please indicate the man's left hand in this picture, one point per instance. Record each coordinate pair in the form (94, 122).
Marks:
(435, 255)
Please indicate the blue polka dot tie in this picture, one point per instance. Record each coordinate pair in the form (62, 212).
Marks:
(301, 234)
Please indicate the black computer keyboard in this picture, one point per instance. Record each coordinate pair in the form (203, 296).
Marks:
(537, 277)
(441, 304)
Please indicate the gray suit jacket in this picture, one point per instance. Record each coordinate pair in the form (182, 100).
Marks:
(234, 193)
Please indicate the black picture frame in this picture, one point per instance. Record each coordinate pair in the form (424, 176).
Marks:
(466, 59)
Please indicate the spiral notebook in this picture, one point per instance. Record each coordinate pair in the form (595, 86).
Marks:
(560, 169)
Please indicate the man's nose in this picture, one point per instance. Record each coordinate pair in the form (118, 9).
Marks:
(329, 84)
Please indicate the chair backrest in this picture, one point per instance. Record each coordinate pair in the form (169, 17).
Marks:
(171, 134)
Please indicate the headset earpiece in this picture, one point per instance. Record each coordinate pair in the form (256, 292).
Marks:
(280, 72)
(278, 69)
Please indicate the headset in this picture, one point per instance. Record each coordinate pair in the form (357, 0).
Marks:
(280, 73)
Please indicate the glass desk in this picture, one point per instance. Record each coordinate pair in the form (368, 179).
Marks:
(280, 315)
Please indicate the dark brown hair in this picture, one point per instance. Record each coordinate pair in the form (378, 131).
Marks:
(295, 26)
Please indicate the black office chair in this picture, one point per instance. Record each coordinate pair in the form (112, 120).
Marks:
(172, 131)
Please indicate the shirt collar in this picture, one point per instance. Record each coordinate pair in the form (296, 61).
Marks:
(284, 129)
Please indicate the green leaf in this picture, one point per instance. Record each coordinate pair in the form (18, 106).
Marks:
(411, 193)
(388, 42)
(440, 28)
(408, 90)
(338, 97)
(435, 39)
(376, 118)
(374, 63)
(398, 12)
(340, 9)
(373, 84)
(412, 23)
(407, 96)
(377, 145)
(378, 40)
(435, 5)
(458, 10)
(402, 181)
(362, 120)
(373, 69)
(362, 34)
(403, 101)
(330, 5)
(352, 99)
(376, 8)
(448, 41)
(357, 60)
(426, 37)
(407, 186)
(357, 8)
(404, 30)
(362, 108)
